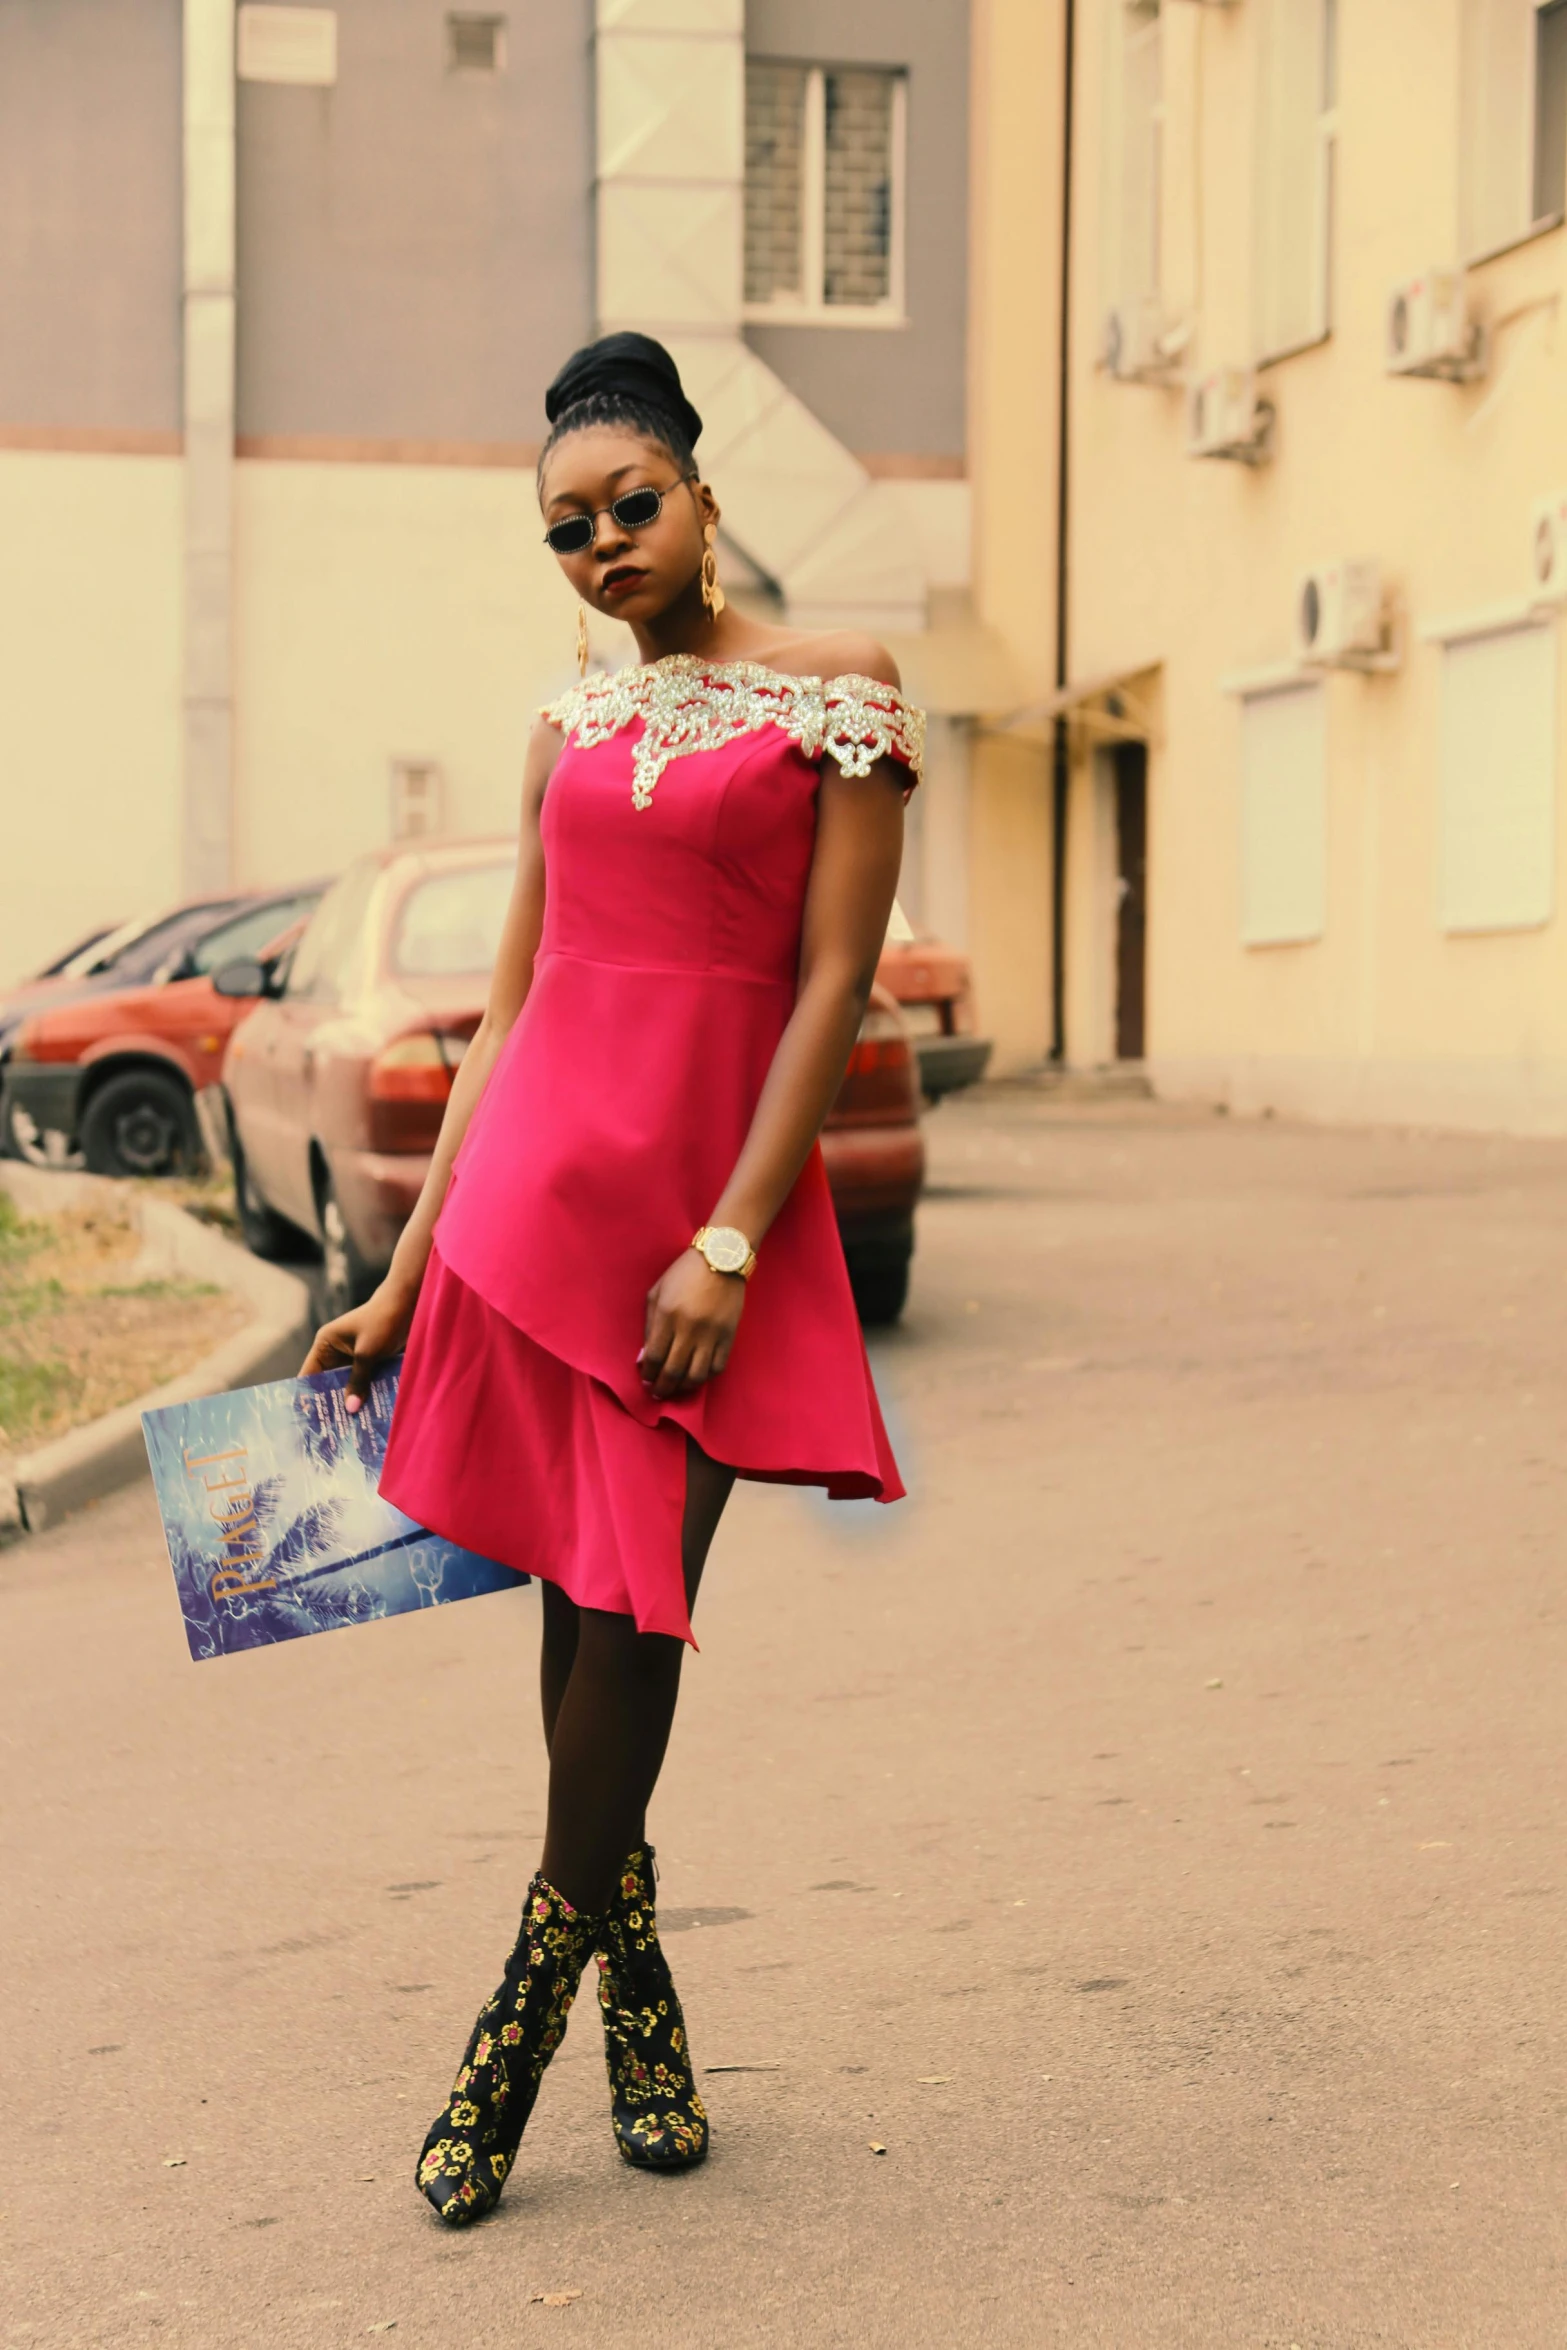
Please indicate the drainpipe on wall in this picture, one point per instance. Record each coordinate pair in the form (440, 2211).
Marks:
(207, 828)
(1061, 765)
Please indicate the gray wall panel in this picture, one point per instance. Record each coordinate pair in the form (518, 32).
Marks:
(891, 390)
(90, 214)
(415, 244)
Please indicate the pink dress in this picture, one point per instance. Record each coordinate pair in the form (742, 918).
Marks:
(678, 830)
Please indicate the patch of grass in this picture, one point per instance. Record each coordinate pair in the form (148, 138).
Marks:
(20, 1236)
(173, 1291)
(29, 1393)
(76, 1336)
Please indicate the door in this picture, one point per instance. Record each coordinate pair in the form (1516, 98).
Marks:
(1131, 921)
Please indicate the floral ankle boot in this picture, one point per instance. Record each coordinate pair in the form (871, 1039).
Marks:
(660, 2122)
(469, 2150)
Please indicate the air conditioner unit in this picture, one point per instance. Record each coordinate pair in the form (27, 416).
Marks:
(1142, 345)
(1339, 619)
(1431, 330)
(1548, 550)
(1225, 418)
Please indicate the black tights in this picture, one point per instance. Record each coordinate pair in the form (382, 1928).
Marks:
(608, 1694)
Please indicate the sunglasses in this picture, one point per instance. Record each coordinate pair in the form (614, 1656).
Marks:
(633, 510)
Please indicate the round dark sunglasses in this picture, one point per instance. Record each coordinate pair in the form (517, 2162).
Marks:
(633, 510)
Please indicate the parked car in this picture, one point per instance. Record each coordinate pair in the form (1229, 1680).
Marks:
(934, 989)
(337, 1081)
(111, 1075)
(124, 956)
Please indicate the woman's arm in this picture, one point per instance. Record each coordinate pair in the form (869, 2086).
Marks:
(367, 1334)
(693, 1312)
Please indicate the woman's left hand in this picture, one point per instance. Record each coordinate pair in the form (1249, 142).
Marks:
(692, 1316)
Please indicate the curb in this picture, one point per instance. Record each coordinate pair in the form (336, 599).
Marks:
(108, 1453)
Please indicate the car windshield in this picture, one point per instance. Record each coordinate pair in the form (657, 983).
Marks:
(451, 925)
(164, 942)
(249, 932)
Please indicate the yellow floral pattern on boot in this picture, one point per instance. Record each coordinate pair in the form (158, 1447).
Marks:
(469, 2151)
(659, 2120)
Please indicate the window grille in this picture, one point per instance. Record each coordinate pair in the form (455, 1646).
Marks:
(1498, 780)
(1284, 827)
(824, 198)
(418, 798)
(475, 44)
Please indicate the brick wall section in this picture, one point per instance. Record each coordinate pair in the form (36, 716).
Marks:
(774, 135)
(858, 220)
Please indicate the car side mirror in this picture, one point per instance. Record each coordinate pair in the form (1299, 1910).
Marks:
(245, 977)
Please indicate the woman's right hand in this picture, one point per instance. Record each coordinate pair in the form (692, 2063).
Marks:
(365, 1337)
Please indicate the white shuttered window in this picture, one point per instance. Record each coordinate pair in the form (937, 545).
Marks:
(1296, 139)
(1513, 121)
(1284, 816)
(1133, 152)
(1498, 834)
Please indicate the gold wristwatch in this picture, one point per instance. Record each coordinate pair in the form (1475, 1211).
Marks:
(725, 1249)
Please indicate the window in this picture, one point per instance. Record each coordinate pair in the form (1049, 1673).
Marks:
(1296, 138)
(823, 192)
(1133, 152)
(1513, 123)
(250, 933)
(475, 44)
(1498, 836)
(418, 798)
(1284, 823)
(451, 925)
(326, 959)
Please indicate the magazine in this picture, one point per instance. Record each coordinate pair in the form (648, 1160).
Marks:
(272, 1511)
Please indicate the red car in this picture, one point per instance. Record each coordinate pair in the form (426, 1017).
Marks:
(112, 1075)
(337, 1081)
(935, 993)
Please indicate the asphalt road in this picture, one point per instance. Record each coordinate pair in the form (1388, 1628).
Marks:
(1150, 1834)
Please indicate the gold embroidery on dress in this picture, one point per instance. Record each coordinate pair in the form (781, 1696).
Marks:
(687, 704)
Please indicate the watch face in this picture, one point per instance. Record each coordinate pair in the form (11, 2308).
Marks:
(726, 1249)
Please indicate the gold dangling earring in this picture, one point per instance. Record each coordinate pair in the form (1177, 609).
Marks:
(582, 640)
(712, 594)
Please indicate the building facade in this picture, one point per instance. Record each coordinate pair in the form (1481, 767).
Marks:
(1308, 854)
(283, 287)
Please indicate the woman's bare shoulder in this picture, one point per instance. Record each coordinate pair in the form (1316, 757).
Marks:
(848, 654)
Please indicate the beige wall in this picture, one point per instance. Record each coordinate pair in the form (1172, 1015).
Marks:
(89, 695)
(1013, 424)
(1193, 566)
(383, 612)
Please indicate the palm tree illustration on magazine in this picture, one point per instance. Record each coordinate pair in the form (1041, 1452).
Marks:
(271, 1507)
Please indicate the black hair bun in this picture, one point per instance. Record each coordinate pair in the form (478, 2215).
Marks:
(628, 366)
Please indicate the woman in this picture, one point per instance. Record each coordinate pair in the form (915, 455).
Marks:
(710, 843)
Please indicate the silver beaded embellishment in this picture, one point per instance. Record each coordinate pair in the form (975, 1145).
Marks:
(687, 704)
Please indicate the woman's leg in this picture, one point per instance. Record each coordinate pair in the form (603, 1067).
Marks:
(557, 1654)
(613, 1691)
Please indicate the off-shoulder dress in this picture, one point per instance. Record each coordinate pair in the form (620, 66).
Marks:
(678, 828)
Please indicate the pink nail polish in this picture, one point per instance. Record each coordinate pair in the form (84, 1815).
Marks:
(354, 1402)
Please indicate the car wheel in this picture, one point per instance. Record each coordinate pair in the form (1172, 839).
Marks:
(881, 1290)
(346, 1280)
(265, 1233)
(139, 1124)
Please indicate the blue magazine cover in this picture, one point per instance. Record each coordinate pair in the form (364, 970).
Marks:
(271, 1505)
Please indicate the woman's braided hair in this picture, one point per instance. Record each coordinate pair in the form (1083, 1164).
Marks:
(628, 380)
